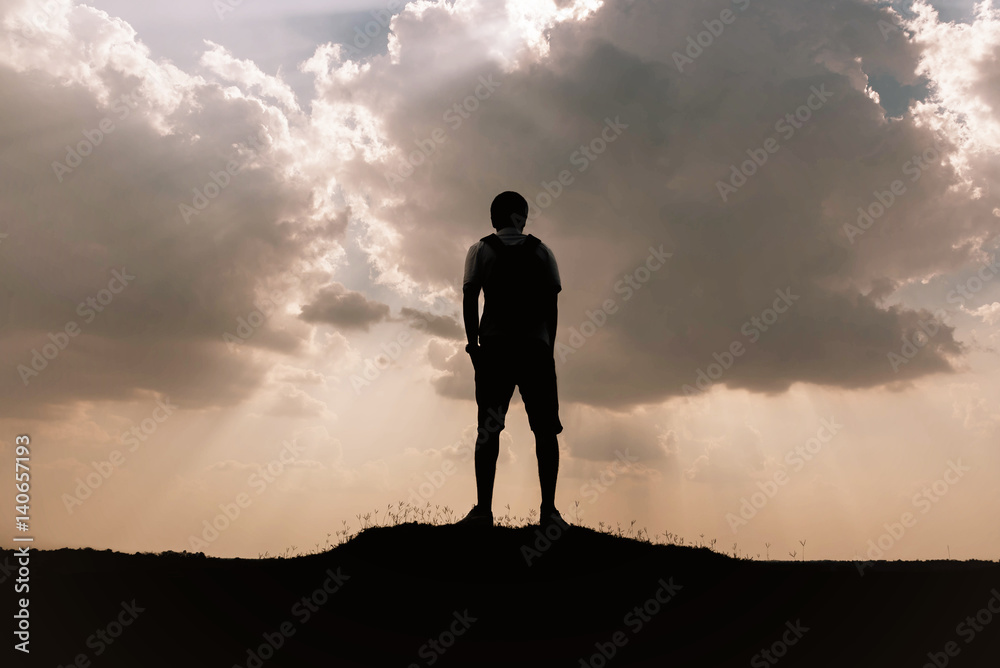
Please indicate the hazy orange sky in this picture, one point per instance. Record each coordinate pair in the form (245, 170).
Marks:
(232, 238)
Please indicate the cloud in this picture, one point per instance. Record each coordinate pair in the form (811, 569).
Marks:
(599, 435)
(990, 313)
(284, 372)
(974, 411)
(114, 144)
(443, 326)
(291, 401)
(785, 228)
(461, 451)
(272, 185)
(457, 377)
(336, 305)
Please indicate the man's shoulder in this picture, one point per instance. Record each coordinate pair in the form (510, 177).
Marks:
(485, 245)
(544, 248)
(474, 252)
(483, 248)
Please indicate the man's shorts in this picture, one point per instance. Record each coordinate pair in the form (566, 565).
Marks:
(502, 364)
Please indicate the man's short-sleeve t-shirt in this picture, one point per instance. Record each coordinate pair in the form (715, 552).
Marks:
(480, 258)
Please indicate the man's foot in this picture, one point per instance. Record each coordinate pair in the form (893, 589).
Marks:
(550, 516)
(476, 518)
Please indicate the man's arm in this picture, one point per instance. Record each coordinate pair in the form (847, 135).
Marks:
(551, 309)
(470, 312)
(470, 295)
(551, 317)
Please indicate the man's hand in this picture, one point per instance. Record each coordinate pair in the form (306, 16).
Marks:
(474, 351)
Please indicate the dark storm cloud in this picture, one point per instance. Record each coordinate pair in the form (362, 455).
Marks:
(227, 208)
(336, 305)
(444, 326)
(783, 83)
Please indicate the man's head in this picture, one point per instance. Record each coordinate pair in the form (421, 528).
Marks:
(508, 209)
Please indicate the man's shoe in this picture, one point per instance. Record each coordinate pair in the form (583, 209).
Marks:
(549, 517)
(476, 518)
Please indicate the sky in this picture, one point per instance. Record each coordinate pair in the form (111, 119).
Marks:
(232, 236)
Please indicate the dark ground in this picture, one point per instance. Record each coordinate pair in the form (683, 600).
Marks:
(474, 595)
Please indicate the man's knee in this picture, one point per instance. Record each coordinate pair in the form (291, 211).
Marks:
(545, 434)
(491, 422)
(488, 432)
(543, 418)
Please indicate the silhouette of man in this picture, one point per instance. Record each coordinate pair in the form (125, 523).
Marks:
(513, 345)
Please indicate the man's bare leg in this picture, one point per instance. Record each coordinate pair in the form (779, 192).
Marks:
(487, 451)
(547, 451)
